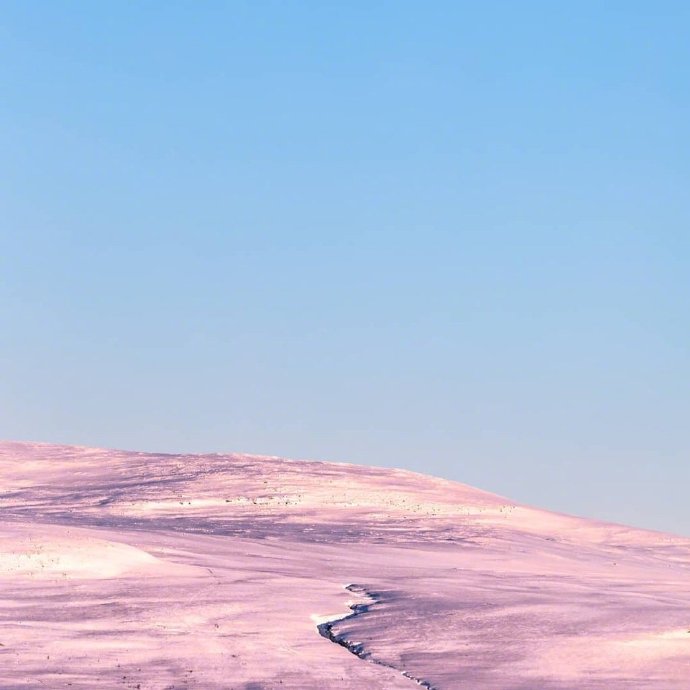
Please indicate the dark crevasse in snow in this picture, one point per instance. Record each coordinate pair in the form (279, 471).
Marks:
(326, 630)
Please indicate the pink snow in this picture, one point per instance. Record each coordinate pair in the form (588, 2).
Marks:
(156, 571)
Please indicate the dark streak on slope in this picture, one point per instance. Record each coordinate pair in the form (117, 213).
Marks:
(326, 630)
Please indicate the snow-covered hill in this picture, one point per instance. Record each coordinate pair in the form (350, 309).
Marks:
(150, 571)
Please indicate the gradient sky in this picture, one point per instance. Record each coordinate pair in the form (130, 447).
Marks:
(448, 236)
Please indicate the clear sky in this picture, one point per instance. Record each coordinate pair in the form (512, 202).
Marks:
(447, 236)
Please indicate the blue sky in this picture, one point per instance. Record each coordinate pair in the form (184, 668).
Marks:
(446, 236)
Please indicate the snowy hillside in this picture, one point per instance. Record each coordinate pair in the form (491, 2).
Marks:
(151, 571)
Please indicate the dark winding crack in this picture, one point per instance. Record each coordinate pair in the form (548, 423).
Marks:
(326, 630)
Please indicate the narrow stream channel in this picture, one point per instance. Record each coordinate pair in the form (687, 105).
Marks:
(326, 630)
